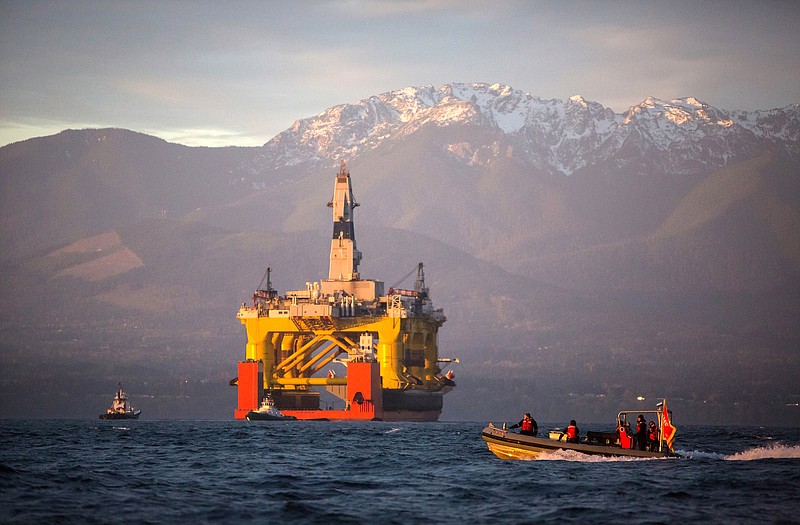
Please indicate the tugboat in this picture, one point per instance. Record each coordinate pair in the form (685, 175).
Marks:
(506, 444)
(120, 409)
(268, 412)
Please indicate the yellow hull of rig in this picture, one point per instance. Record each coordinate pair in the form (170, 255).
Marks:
(387, 342)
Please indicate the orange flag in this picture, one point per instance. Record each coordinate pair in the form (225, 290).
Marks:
(668, 431)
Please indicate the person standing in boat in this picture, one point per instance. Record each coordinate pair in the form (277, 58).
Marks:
(527, 425)
(641, 432)
(572, 432)
(624, 434)
(652, 437)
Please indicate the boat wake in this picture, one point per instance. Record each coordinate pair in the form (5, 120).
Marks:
(776, 451)
(571, 455)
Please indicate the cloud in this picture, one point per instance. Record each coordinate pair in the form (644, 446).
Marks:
(208, 137)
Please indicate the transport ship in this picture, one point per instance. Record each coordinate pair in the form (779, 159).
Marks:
(120, 408)
(376, 351)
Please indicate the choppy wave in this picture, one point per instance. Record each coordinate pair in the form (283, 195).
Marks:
(699, 454)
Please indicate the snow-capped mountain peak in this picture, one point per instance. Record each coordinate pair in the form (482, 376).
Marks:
(682, 134)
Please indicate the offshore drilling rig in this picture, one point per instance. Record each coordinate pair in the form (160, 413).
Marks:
(387, 341)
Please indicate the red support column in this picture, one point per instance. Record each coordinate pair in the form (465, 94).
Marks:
(248, 388)
(365, 379)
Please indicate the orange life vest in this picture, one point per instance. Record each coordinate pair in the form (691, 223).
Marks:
(527, 425)
(624, 438)
(572, 432)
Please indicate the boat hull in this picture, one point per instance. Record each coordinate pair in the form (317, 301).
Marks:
(257, 416)
(508, 445)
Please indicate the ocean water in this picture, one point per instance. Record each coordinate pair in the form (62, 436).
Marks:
(86, 471)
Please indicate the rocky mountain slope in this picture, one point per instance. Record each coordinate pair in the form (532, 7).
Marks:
(562, 136)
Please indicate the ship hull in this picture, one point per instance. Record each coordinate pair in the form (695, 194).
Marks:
(412, 415)
(412, 405)
(418, 406)
(126, 415)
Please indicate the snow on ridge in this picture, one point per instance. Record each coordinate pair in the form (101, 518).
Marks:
(780, 123)
(578, 99)
(564, 135)
(693, 101)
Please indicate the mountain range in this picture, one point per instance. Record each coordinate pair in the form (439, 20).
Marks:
(553, 136)
(583, 258)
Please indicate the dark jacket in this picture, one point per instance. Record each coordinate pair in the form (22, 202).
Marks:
(641, 435)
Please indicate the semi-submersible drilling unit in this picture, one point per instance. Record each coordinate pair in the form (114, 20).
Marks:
(388, 341)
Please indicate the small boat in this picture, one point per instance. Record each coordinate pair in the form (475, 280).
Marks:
(506, 444)
(120, 409)
(268, 412)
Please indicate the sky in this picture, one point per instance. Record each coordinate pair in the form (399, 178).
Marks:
(236, 73)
